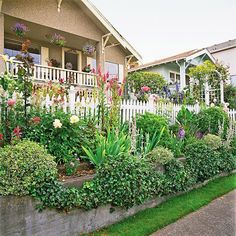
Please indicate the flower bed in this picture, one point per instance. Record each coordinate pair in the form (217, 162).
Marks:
(128, 164)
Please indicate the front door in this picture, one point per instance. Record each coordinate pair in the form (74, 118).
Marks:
(71, 59)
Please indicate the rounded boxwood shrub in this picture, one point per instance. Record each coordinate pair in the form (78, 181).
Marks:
(202, 160)
(23, 167)
(124, 181)
(212, 141)
(151, 123)
(160, 155)
(208, 120)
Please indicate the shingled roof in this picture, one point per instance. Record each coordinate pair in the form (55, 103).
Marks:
(176, 57)
(222, 46)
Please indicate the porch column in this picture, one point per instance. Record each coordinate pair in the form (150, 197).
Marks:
(100, 57)
(2, 66)
(182, 76)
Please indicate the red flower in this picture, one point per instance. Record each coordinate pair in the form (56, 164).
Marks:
(17, 132)
(145, 89)
(36, 120)
(1, 137)
(11, 102)
(61, 81)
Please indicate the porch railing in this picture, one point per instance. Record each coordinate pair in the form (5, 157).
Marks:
(54, 74)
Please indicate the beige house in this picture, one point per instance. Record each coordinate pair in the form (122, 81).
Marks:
(226, 53)
(80, 23)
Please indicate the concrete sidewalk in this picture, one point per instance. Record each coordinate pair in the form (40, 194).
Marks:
(216, 219)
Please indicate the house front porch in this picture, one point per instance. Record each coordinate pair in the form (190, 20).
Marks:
(52, 62)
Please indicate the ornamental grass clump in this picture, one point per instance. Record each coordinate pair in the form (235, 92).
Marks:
(212, 141)
(24, 167)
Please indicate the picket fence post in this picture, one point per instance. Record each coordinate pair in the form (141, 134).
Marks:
(72, 95)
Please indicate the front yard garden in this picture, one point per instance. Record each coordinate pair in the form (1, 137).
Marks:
(131, 162)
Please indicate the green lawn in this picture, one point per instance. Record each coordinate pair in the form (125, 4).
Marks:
(151, 220)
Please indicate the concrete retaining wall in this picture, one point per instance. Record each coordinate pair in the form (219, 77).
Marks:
(18, 216)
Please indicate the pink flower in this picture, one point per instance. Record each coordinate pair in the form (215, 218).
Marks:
(17, 132)
(100, 70)
(11, 102)
(145, 89)
(93, 71)
(1, 137)
(120, 91)
(107, 75)
(36, 120)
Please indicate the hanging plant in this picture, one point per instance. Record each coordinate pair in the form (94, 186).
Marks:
(20, 29)
(57, 39)
(89, 49)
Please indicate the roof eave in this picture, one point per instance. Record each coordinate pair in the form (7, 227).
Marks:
(112, 30)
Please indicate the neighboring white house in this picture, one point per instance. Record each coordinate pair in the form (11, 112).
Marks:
(226, 53)
(175, 68)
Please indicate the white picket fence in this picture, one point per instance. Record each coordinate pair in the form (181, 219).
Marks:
(88, 106)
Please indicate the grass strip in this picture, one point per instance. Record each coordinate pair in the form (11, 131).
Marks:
(150, 220)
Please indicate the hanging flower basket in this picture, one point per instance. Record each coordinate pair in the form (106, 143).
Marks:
(57, 39)
(20, 29)
(89, 49)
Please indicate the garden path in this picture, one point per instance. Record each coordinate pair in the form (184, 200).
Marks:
(216, 219)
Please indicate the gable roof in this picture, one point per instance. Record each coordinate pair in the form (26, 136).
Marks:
(110, 28)
(188, 55)
(222, 46)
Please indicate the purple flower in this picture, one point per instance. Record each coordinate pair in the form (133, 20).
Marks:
(177, 87)
(20, 29)
(181, 133)
(199, 135)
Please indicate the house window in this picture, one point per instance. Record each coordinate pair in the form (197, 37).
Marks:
(112, 69)
(174, 77)
(187, 79)
(13, 48)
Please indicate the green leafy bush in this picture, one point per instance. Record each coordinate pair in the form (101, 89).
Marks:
(53, 194)
(151, 124)
(208, 120)
(233, 145)
(23, 167)
(125, 181)
(154, 81)
(230, 96)
(160, 155)
(65, 142)
(227, 160)
(112, 145)
(203, 161)
(178, 177)
(212, 141)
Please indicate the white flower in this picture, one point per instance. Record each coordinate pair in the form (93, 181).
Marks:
(212, 104)
(74, 119)
(57, 124)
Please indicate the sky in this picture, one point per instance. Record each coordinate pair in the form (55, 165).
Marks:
(161, 28)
